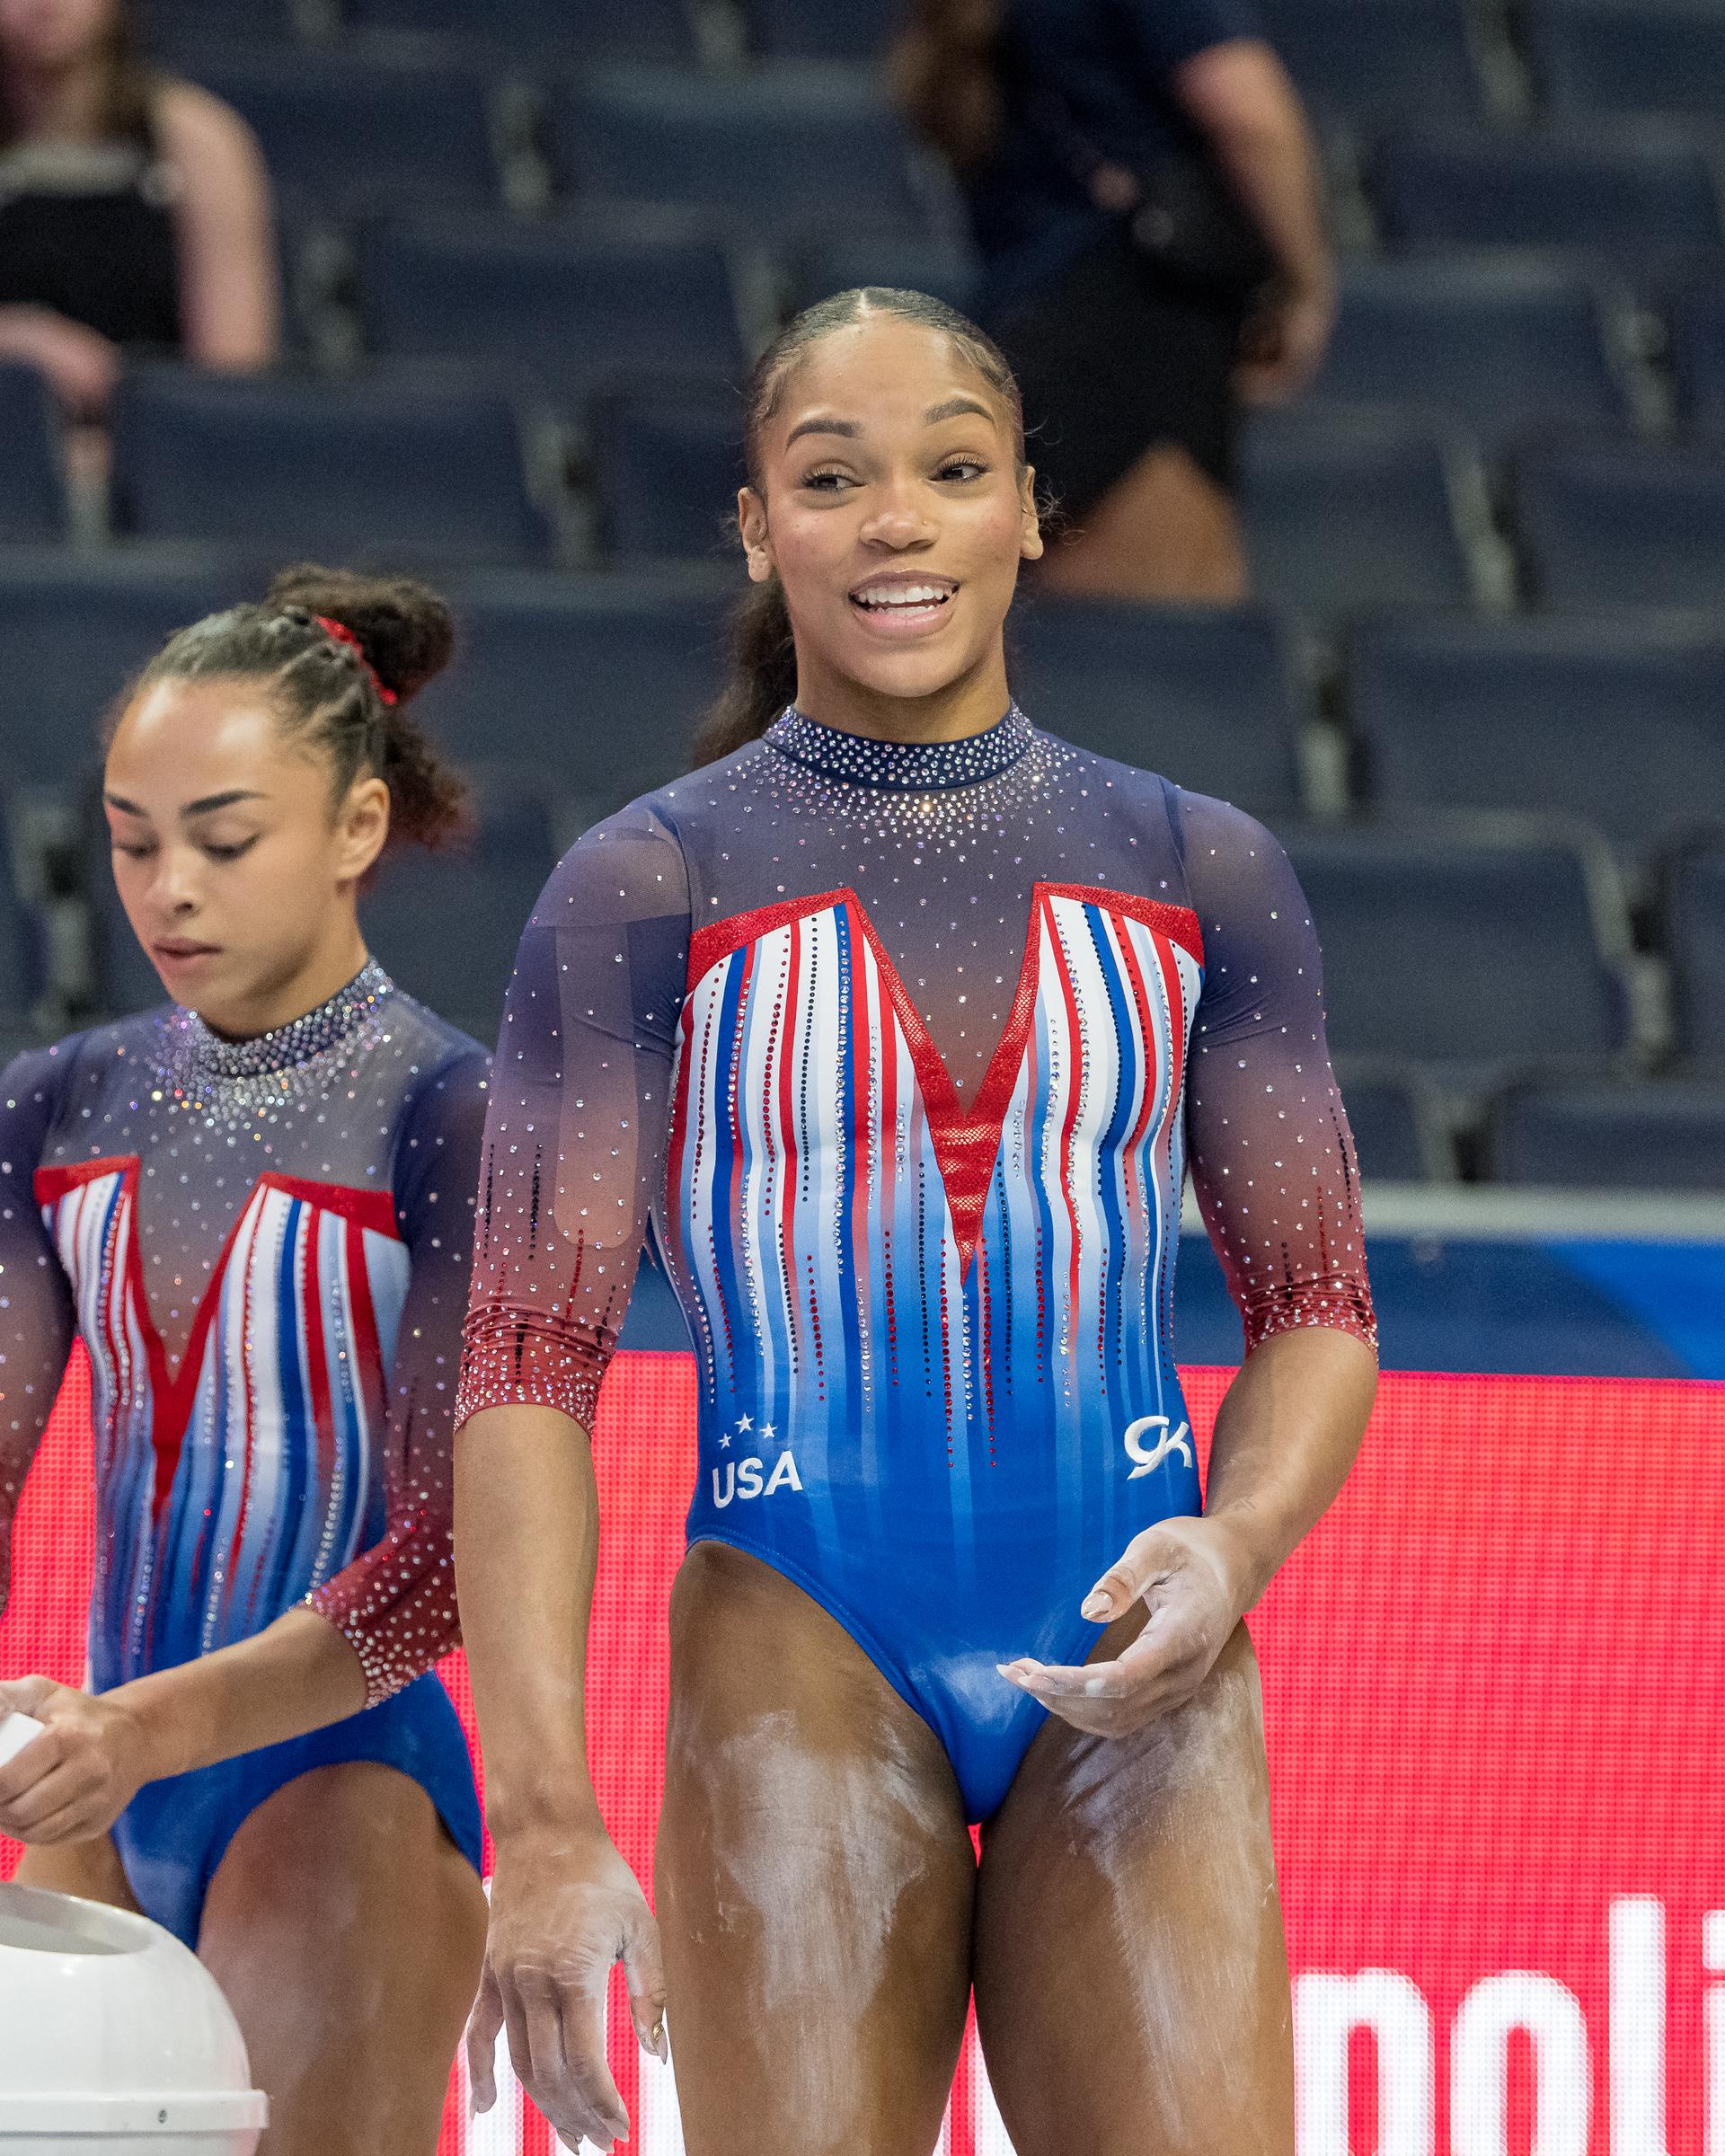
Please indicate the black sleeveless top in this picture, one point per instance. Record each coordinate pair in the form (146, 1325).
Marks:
(87, 229)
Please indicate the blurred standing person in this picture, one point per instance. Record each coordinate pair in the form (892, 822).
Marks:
(1143, 190)
(134, 209)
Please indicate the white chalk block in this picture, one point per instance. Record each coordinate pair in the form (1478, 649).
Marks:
(16, 1730)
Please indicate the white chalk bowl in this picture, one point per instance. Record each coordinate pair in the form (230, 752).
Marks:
(114, 2038)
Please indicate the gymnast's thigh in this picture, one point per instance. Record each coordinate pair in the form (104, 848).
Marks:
(347, 1930)
(815, 1881)
(1131, 1972)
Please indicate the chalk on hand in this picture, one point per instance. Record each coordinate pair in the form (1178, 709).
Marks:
(16, 1730)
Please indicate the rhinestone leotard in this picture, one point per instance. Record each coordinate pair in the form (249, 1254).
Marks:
(904, 1050)
(264, 1245)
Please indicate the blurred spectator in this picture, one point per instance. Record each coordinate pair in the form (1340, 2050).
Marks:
(1144, 196)
(134, 209)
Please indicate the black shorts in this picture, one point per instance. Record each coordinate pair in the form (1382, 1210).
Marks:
(1112, 357)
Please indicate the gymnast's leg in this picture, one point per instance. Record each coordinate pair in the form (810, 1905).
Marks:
(90, 1869)
(1132, 1987)
(815, 1881)
(346, 1928)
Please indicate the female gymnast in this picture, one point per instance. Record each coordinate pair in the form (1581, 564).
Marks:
(254, 1206)
(901, 1020)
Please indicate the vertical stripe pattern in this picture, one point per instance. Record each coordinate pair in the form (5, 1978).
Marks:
(232, 1486)
(947, 1315)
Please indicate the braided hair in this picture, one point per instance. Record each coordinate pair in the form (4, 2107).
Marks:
(343, 655)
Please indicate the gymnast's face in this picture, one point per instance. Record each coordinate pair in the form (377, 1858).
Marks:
(896, 513)
(237, 868)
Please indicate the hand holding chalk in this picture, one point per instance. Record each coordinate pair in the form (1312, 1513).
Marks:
(16, 1730)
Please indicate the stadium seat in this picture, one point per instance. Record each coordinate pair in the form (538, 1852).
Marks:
(446, 925)
(33, 487)
(560, 308)
(1669, 1136)
(164, 26)
(363, 472)
(1698, 355)
(596, 683)
(1619, 722)
(73, 631)
(1630, 55)
(1398, 1136)
(1471, 951)
(1366, 63)
(1695, 918)
(1346, 511)
(1499, 342)
(1611, 523)
(781, 150)
(667, 466)
(1205, 695)
(354, 130)
(821, 30)
(22, 952)
(1622, 195)
(848, 256)
(545, 31)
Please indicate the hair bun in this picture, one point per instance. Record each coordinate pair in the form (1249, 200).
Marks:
(405, 630)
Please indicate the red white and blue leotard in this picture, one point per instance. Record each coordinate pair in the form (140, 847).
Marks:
(264, 1246)
(905, 1049)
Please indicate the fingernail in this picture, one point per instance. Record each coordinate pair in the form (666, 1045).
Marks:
(661, 2049)
(1097, 1606)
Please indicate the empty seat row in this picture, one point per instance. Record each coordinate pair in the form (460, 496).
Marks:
(592, 685)
(550, 30)
(777, 149)
(1624, 192)
(1611, 723)
(1609, 1133)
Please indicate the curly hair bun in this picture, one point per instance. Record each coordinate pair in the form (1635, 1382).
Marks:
(405, 629)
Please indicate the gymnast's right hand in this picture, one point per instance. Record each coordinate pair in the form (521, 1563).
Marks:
(564, 1907)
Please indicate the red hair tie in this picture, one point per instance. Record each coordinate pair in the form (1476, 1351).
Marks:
(342, 634)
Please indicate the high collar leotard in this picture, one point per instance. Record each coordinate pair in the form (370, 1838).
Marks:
(904, 1048)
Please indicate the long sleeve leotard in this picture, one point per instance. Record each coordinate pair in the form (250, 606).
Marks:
(265, 1247)
(902, 1050)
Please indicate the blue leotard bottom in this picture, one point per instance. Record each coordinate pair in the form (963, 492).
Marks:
(984, 1722)
(174, 1832)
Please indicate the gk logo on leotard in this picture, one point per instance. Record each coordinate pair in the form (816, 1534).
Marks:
(1170, 1442)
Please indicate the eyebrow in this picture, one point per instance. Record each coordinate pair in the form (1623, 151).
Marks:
(847, 427)
(205, 807)
(954, 408)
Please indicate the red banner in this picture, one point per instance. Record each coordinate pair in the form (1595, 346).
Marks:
(1495, 1681)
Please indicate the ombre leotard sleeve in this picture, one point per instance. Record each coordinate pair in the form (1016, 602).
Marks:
(38, 1321)
(395, 1604)
(574, 1157)
(1271, 1155)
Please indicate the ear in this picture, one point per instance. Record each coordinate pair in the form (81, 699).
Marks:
(751, 522)
(1030, 537)
(361, 827)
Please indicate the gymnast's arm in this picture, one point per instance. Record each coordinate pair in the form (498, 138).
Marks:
(574, 1156)
(36, 1321)
(1274, 1167)
(380, 1623)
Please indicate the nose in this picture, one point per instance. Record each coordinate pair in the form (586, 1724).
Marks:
(175, 888)
(899, 521)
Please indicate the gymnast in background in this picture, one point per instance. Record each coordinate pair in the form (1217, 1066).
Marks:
(255, 1208)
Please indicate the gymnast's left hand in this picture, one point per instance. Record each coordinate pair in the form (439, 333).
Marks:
(1187, 1574)
(75, 1779)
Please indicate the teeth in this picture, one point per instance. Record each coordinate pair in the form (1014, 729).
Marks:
(904, 595)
